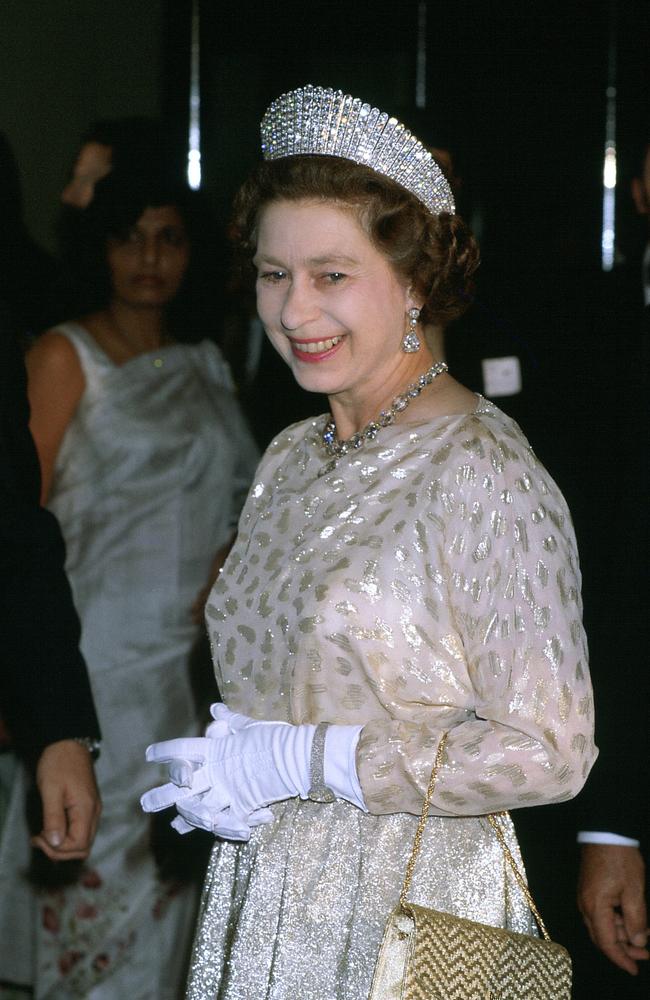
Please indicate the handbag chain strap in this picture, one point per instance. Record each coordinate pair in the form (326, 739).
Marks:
(493, 819)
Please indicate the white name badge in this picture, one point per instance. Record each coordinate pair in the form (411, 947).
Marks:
(501, 376)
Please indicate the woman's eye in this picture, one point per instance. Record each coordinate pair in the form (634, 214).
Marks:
(335, 277)
(174, 237)
(272, 277)
(128, 238)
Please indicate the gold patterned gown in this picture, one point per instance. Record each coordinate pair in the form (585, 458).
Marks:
(428, 582)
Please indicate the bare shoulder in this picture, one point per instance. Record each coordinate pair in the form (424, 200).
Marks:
(53, 355)
(55, 378)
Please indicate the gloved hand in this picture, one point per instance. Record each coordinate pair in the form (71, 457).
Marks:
(216, 778)
(198, 812)
(201, 810)
(222, 781)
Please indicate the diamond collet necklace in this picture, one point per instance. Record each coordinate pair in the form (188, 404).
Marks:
(336, 449)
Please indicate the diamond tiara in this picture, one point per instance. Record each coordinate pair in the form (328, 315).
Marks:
(319, 121)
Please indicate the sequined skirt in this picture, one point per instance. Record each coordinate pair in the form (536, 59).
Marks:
(298, 913)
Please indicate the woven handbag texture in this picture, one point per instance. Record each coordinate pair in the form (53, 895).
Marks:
(429, 955)
(455, 959)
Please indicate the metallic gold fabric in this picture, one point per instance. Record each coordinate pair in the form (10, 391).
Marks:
(428, 583)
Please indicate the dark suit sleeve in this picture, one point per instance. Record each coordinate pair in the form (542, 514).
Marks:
(614, 799)
(613, 540)
(45, 693)
(589, 426)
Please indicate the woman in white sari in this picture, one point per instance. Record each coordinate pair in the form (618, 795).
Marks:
(146, 461)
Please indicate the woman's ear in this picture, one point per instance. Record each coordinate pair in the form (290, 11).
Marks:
(413, 301)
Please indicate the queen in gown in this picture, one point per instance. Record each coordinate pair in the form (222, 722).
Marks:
(146, 463)
(404, 567)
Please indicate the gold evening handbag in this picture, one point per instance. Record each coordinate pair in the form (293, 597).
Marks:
(426, 954)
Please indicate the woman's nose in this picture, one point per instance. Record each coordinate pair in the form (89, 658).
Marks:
(299, 306)
(150, 251)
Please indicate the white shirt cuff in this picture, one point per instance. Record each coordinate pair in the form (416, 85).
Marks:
(340, 764)
(589, 837)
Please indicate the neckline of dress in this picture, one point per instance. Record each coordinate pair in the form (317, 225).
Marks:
(88, 337)
(483, 406)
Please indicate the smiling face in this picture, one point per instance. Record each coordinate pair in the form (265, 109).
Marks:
(330, 302)
(148, 265)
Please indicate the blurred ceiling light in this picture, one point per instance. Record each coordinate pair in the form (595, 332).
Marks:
(194, 144)
(608, 232)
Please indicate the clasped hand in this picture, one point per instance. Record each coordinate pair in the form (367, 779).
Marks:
(223, 781)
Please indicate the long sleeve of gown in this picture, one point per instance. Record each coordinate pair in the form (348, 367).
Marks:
(500, 554)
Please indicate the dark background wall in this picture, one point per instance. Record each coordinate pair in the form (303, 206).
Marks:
(517, 90)
(64, 63)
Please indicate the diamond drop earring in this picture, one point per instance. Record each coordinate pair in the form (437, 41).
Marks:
(411, 341)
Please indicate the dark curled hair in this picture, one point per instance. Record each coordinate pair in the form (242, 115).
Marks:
(436, 255)
(118, 204)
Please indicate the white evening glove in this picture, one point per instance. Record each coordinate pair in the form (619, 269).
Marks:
(221, 822)
(230, 775)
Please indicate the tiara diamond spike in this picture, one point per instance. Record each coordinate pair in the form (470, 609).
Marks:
(375, 137)
(319, 121)
(319, 111)
(356, 138)
(342, 136)
(353, 128)
(327, 129)
(368, 138)
(311, 115)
